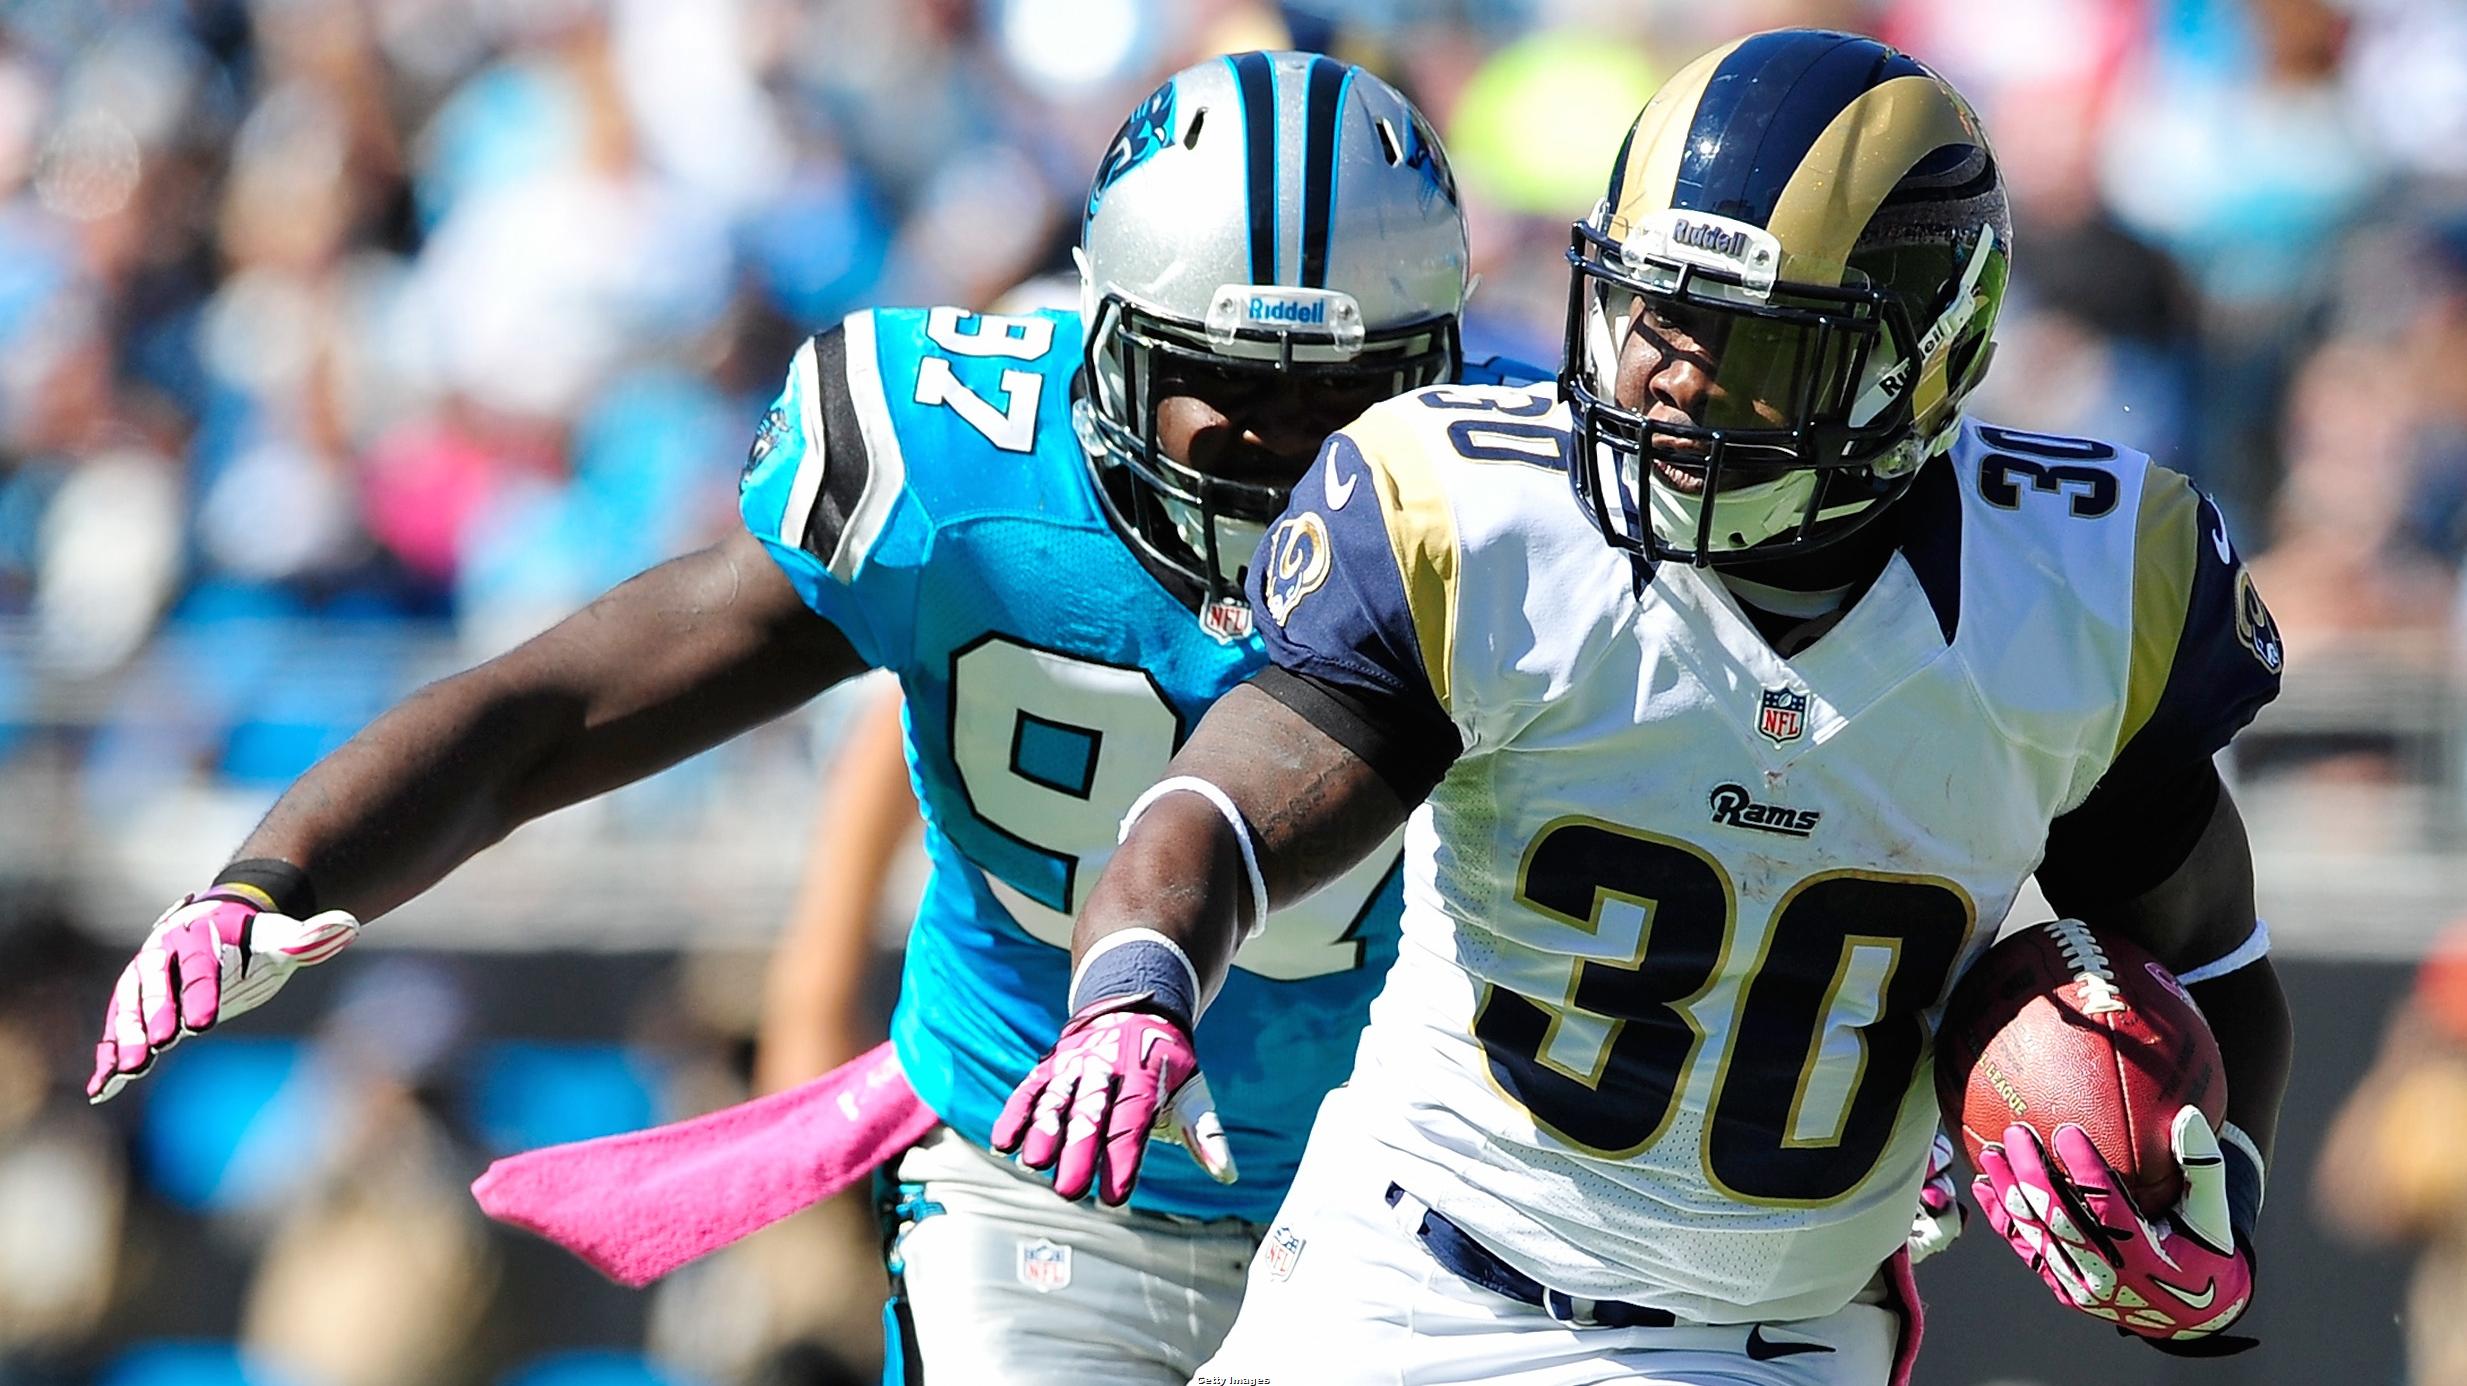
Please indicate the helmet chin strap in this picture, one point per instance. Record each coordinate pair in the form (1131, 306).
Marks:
(1743, 516)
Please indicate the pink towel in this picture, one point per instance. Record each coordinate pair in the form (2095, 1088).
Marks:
(639, 1205)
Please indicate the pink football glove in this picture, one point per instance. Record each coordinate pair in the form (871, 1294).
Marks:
(210, 957)
(1122, 1075)
(2176, 1280)
(1942, 1214)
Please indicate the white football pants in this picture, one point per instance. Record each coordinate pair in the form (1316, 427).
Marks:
(1003, 1282)
(1343, 1294)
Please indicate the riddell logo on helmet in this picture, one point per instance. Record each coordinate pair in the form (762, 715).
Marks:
(1312, 314)
(1711, 239)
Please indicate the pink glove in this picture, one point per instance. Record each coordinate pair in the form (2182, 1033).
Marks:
(1123, 1075)
(210, 957)
(2175, 1280)
(1942, 1214)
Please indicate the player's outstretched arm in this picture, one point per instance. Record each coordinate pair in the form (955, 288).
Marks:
(668, 664)
(665, 665)
(1290, 780)
(1260, 799)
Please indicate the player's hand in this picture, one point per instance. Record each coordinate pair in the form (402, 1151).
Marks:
(1115, 1076)
(1942, 1214)
(2175, 1280)
(209, 958)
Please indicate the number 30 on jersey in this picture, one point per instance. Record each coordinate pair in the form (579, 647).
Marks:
(1826, 1025)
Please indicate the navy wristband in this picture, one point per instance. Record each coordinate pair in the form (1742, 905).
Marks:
(1139, 962)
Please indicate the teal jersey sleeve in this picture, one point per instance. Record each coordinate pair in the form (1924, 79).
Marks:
(813, 493)
(889, 427)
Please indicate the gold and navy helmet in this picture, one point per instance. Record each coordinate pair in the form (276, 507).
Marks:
(1798, 266)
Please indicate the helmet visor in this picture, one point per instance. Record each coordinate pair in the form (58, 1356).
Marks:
(1266, 407)
(1784, 370)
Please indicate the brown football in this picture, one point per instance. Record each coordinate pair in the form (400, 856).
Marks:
(2063, 1023)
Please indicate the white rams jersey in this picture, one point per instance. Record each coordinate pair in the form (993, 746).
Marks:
(1680, 919)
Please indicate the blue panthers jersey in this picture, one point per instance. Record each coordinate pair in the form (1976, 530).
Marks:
(920, 482)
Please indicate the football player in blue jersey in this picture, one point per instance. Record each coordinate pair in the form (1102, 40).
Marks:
(1041, 524)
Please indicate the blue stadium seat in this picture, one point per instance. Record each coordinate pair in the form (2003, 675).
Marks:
(189, 1364)
(526, 1094)
(209, 1106)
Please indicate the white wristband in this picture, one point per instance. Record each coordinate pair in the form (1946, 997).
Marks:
(2255, 945)
(2234, 1135)
(1233, 816)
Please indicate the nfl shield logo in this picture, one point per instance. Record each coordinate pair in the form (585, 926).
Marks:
(1228, 621)
(1044, 1267)
(1281, 1250)
(1782, 716)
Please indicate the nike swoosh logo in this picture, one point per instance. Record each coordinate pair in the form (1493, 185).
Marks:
(1147, 1045)
(1763, 1349)
(2208, 1293)
(2218, 537)
(1340, 489)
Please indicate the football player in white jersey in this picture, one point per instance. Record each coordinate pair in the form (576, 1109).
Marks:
(1729, 693)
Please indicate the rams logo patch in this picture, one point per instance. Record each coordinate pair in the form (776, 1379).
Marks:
(1734, 806)
(2254, 627)
(1298, 563)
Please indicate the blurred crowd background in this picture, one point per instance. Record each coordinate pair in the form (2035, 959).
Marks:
(345, 342)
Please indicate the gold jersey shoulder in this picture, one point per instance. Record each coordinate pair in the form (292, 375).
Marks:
(1443, 425)
(2122, 573)
(1395, 483)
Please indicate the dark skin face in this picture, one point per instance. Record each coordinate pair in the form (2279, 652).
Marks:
(1247, 427)
(1669, 362)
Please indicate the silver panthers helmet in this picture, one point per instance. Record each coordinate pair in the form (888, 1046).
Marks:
(1270, 221)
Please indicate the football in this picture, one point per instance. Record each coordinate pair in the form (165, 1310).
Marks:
(2062, 1023)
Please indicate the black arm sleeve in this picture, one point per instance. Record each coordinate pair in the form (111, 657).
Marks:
(1407, 741)
(2214, 670)
(2133, 831)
